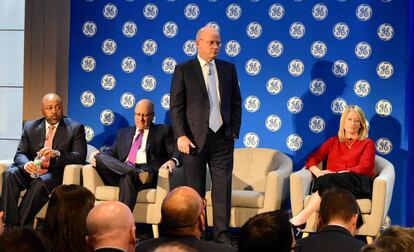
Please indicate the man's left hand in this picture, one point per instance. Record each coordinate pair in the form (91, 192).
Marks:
(170, 165)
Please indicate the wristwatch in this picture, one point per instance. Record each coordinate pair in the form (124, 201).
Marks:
(57, 153)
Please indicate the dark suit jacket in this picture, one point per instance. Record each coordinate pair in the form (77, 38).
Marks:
(191, 241)
(69, 139)
(189, 104)
(159, 149)
(331, 238)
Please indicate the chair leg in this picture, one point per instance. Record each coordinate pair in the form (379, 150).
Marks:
(35, 222)
(370, 239)
(155, 231)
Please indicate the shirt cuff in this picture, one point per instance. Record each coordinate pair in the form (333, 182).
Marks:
(177, 163)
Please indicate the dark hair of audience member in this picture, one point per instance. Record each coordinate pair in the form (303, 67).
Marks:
(337, 204)
(174, 246)
(24, 240)
(65, 221)
(393, 239)
(269, 231)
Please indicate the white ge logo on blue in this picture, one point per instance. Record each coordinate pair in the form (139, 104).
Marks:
(340, 68)
(87, 98)
(296, 67)
(273, 123)
(319, 11)
(88, 64)
(319, 49)
(110, 11)
(297, 30)
(316, 124)
(252, 104)
(127, 100)
(109, 46)
(383, 146)
(108, 82)
(295, 105)
(294, 142)
(148, 83)
(385, 70)
(253, 67)
(128, 64)
(338, 106)
(89, 29)
(363, 50)
(251, 140)
(129, 29)
(107, 117)
(254, 30)
(363, 12)
(170, 29)
(150, 11)
(191, 11)
(214, 25)
(275, 48)
(89, 133)
(383, 108)
(274, 86)
(233, 48)
(190, 48)
(149, 47)
(168, 65)
(276, 11)
(165, 101)
(233, 11)
(362, 88)
(385, 32)
(340, 31)
(317, 87)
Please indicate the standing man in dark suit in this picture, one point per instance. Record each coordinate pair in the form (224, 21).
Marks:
(133, 160)
(59, 141)
(338, 214)
(205, 106)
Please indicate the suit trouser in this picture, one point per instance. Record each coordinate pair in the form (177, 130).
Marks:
(218, 154)
(117, 173)
(16, 180)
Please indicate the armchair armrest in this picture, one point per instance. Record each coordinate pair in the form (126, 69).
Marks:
(91, 178)
(300, 183)
(163, 184)
(382, 190)
(72, 174)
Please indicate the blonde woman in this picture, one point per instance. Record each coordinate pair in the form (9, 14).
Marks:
(349, 159)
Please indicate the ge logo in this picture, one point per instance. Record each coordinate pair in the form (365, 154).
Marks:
(214, 25)
(296, 67)
(87, 98)
(89, 29)
(254, 30)
(295, 105)
(383, 146)
(233, 48)
(128, 64)
(190, 48)
(129, 29)
(275, 48)
(338, 106)
(88, 64)
(108, 82)
(148, 83)
(317, 87)
(150, 11)
(318, 49)
(363, 12)
(251, 140)
(89, 134)
(362, 88)
(297, 30)
(109, 46)
(316, 124)
(363, 50)
(273, 123)
(341, 31)
(319, 11)
(168, 65)
(276, 11)
(385, 32)
(165, 101)
(233, 11)
(170, 29)
(385, 70)
(127, 100)
(110, 11)
(252, 104)
(383, 108)
(253, 67)
(107, 117)
(191, 11)
(340, 68)
(294, 142)
(274, 85)
(387, 221)
(149, 47)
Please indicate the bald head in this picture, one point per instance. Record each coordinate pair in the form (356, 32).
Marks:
(206, 29)
(52, 108)
(208, 43)
(144, 114)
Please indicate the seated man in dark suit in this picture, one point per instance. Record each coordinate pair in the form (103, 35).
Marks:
(338, 214)
(57, 141)
(183, 217)
(133, 160)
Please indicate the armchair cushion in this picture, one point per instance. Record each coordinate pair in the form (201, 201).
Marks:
(241, 198)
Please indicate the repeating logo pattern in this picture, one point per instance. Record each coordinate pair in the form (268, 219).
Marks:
(150, 11)
(340, 68)
(297, 30)
(319, 11)
(110, 11)
(88, 64)
(253, 67)
(251, 140)
(148, 83)
(274, 85)
(87, 98)
(89, 133)
(317, 87)
(275, 48)
(233, 11)
(170, 29)
(129, 29)
(233, 48)
(383, 146)
(108, 82)
(127, 100)
(109, 46)
(362, 88)
(191, 11)
(89, 29)
(338, 106)
(252, 103)
(294, 142)
(168, 65)
(295, 105)
(383, 107)
(296, 67)
(363, 50)
(276, 11)
(107, 117)
(385, 32)
(316, 124)
(364, 12)
(273, 123)
(319, 49)
(165, 101)
(128, 64)
(385, 70)
(341, 31)
(149, 47)
(190, 48)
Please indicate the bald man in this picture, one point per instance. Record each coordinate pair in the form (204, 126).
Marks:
(111, 227)
(183, 217)
(136, 169)
(59, 140)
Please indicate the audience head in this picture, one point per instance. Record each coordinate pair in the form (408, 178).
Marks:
(52, 108)
(65, 221)
(144, 114)
(183, 212)
(24, 240)
(111, 224)
(266, 232)
(393, 239)
(174, 247)
(338, 206)
(350, 112)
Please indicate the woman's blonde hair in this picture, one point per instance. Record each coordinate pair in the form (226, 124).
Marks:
(363, 131)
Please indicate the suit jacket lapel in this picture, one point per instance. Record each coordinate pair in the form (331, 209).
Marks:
(199, 75)
(41, 135)
(60, 132)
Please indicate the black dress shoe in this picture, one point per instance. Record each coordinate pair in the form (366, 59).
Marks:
(144, 176)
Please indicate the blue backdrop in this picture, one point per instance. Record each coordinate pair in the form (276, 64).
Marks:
(299, 64)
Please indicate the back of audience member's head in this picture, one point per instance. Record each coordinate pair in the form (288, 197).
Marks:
(174, 247)
(338, 205)
(24, 240)
(269, 231)
(182, 212)
(393, 239)
(65, 221)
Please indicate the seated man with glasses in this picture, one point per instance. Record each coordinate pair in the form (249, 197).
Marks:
(133, 160)
(183, 218)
